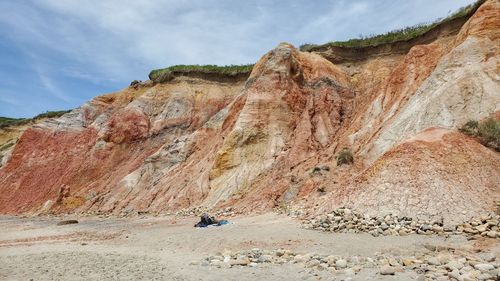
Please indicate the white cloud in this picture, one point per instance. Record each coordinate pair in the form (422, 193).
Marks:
(115, 41)
(51, 86)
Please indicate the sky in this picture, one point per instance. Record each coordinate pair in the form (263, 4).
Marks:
(56, 55)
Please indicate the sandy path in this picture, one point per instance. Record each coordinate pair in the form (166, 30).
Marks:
(161, 248)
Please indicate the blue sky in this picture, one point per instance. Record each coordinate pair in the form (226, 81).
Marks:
(57, 54)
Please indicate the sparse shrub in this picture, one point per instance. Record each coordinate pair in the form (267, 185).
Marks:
(489, 133)
(470, 128)
(316, 170)
(307, 47)
(322, 189)
(7, 122)
(7, 145)
(51, 114)
(345, 157)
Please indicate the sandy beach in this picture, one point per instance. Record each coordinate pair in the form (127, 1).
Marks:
(170, 248)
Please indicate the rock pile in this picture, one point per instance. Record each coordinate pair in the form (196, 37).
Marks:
(345, 220)
(433, 264)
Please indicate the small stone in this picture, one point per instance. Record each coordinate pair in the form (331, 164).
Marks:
(66, 222)
(483, 267)
(482, 228)
(312, 263)
(425, 227)
(264, 258)
(349, 271)
(393, 262)
(387, 270)
(452, 265)
(491, 234)
(489, 257)
(433, 261)
(407, 262)
(243, 262)
(341, 263)
(455, 274)
(253, 264)
(403, 232)
(299, 258)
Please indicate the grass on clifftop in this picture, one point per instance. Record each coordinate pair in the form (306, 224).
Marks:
(403, 34)
(227, 69)
(7, 122)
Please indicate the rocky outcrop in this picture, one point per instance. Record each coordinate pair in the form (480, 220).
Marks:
(272, 140)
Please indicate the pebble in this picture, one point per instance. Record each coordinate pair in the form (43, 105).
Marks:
(387, 270)
(433, 261)
(484, 267)
(449, 263)
(341, 264)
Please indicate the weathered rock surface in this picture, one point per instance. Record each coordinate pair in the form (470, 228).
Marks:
(271, 141)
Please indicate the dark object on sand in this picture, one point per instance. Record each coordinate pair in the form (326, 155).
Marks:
(65, 222)
(206, 220)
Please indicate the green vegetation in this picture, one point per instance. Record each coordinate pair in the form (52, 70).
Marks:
(7, 145)
(403, 34)
(51, 114)
(488, 132)
(470, 128)
(7, 122)
(227, 69)
(345, 157)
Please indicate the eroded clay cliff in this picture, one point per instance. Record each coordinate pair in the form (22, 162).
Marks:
(272, 139)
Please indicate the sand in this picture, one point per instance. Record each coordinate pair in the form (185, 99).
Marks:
(162, 248)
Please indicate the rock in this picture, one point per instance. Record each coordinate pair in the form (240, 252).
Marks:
(454, 265)
(265, 258)
(393, 262)
(407, 262)
(483, 267)
(403, 232)
(482, 228)
(65, 222)
(243, 262)
(492, 234)
(425, 227)
(341, 263)
(387, 270)
(349, 272)
(433, 261)
(488, 257)
(300, 258)
(455, 274)
(280, 252)
(312, 263)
